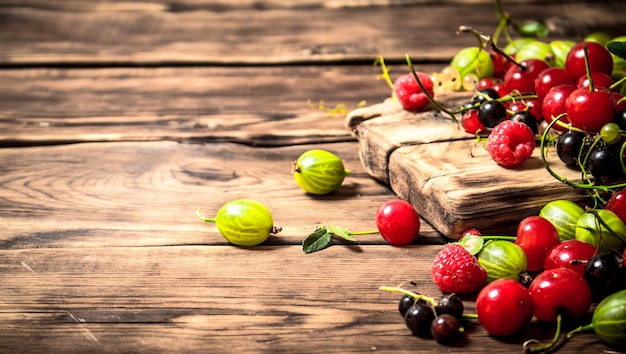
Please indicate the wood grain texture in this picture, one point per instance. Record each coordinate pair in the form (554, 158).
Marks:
(251, 105)
(199, 35)
(146, 194)
(224, 299)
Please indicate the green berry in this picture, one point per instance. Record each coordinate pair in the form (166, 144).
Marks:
(564, 215)
(319, 171)
(473, 60)
(244, 222)
(503, 259)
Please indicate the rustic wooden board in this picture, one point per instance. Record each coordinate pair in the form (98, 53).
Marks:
(449, 177)
(224, 299)
(198, 33)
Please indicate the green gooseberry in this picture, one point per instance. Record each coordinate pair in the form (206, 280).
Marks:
(598, 37)
(473, 60)
(243, 222)
(535, 50)
(606, 231)
(515, 45)
(563, 215)
(560, 49)
(319, 171)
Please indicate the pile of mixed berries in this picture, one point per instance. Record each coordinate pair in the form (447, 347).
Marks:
(562, 94)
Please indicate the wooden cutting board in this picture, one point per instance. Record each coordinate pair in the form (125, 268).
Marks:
(448, 175)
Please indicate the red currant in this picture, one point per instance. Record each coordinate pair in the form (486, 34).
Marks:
(398, 222)
(471, 123)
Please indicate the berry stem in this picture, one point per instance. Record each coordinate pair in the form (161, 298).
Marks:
(430, 98)
(616, 84)
(368, 232)
(385, 71)
(545, 347)
(205, 219)
(396, 289)
(483, 37)
(588, 327)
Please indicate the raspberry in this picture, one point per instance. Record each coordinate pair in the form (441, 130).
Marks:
(510, 143)
(410, 94)
(455, 270)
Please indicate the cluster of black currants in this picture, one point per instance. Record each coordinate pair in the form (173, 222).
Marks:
(599, 155)
(439, 319)
(487, 108)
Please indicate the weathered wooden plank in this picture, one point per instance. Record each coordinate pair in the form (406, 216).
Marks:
(452, 181)
(252, 105)
(225, 299)
(200, 34)
(146, 194)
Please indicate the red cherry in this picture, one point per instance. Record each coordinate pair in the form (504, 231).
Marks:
(599, 80)
(500, 64)
(572, 254)
(471, 232)
(617, 204)
(522, 79)
(554, 104)
(600, 59)
(616, 98)
(551, 77)
(590, 110)
(536, 236)
(471, 123)
(560, 291)
(398, 222)
(504, 307)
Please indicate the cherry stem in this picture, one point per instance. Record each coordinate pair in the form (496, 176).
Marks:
(397, 289)
(505, 238)
(588, 68)
(205, 219)
(548, 346)
(430, 98)
(616, 84)
(369, 232)
(483, 37)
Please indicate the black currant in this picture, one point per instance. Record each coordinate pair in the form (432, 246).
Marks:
(568, 146)
(485, 94)
(450, 304)
(603, 164)
(491, 112)
(527, 118)
(604, 274)
(620, 119)
(406, 301)
(446, 329)
(418, 319)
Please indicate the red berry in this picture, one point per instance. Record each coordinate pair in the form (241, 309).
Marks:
(504, 307)
(617, 204)
(471, 123)
(599, 57)
(398, 222)
(522, 79)
(599, 80)
(510, 143)
(410, 94)
(560, 291)
(551, 77)
(553, 104)
(536, 236)
(590, 110)
(455, 270)
(472, 231)
(572, 254)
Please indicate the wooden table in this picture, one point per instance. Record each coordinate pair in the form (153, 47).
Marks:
(119, 119)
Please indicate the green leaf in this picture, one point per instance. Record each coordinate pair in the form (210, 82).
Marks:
(532, 29)
(617, 48)
(316, 241)
(341, 232)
